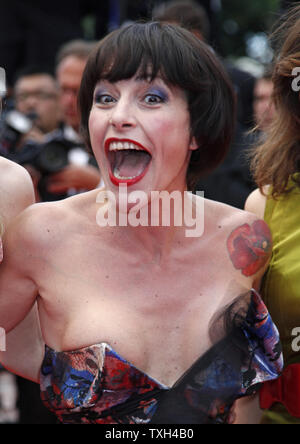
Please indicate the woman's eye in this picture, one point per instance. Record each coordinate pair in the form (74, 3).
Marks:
(153, 99)
(104, 99)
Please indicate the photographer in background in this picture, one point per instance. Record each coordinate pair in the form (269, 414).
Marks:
(38, 113)
(70, 64)
(37, 92)
(36, 97)
(36, 136)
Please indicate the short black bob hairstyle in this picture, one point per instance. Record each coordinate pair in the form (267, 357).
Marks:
(181, 60)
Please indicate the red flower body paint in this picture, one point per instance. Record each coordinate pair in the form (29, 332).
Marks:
(250, 247)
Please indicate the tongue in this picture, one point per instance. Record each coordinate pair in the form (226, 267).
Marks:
(131, 163)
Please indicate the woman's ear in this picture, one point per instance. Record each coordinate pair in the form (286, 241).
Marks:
(193, 144)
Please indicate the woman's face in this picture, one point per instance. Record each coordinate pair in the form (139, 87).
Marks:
(140, 134)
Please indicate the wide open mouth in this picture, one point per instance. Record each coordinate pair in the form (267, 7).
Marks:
(128, 160)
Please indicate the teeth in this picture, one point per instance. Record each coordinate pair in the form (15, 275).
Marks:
(119, 146)
(117, 175)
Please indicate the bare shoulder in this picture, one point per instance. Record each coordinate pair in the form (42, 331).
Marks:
(45, 225)
(16, 189)
(256, 202)
(37, 229)
(228, 217)
(12, 173)
(36, 237)
(248, 240)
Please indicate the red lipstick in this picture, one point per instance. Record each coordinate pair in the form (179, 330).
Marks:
(128, 181)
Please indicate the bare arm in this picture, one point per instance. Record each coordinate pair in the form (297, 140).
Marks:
(18, 295)
(256, 203)
(18, 291)
(24, 344)
(16, 190)
(25, 348)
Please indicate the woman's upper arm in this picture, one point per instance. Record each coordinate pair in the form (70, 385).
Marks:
(256, 203)
(18, 290)
(25, 349)
(24, 345)
(16, 190)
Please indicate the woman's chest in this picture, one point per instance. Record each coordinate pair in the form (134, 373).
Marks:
(116, 296)
(149, 288)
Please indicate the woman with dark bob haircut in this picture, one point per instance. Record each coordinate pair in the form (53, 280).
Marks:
(145, 319)
(173, 54)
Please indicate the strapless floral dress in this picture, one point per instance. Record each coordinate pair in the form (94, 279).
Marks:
(96, 385)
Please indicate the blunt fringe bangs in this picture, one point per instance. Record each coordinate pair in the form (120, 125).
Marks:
(148, 50)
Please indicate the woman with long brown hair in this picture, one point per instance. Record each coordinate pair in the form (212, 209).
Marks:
(276, 166)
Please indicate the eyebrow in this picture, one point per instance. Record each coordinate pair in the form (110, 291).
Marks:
(137, 79)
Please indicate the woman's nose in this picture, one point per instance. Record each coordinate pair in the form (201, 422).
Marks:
(123, 116)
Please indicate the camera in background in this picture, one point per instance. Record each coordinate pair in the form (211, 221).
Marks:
(58, 151)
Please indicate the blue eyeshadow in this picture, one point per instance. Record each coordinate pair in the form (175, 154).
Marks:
(158, 92)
